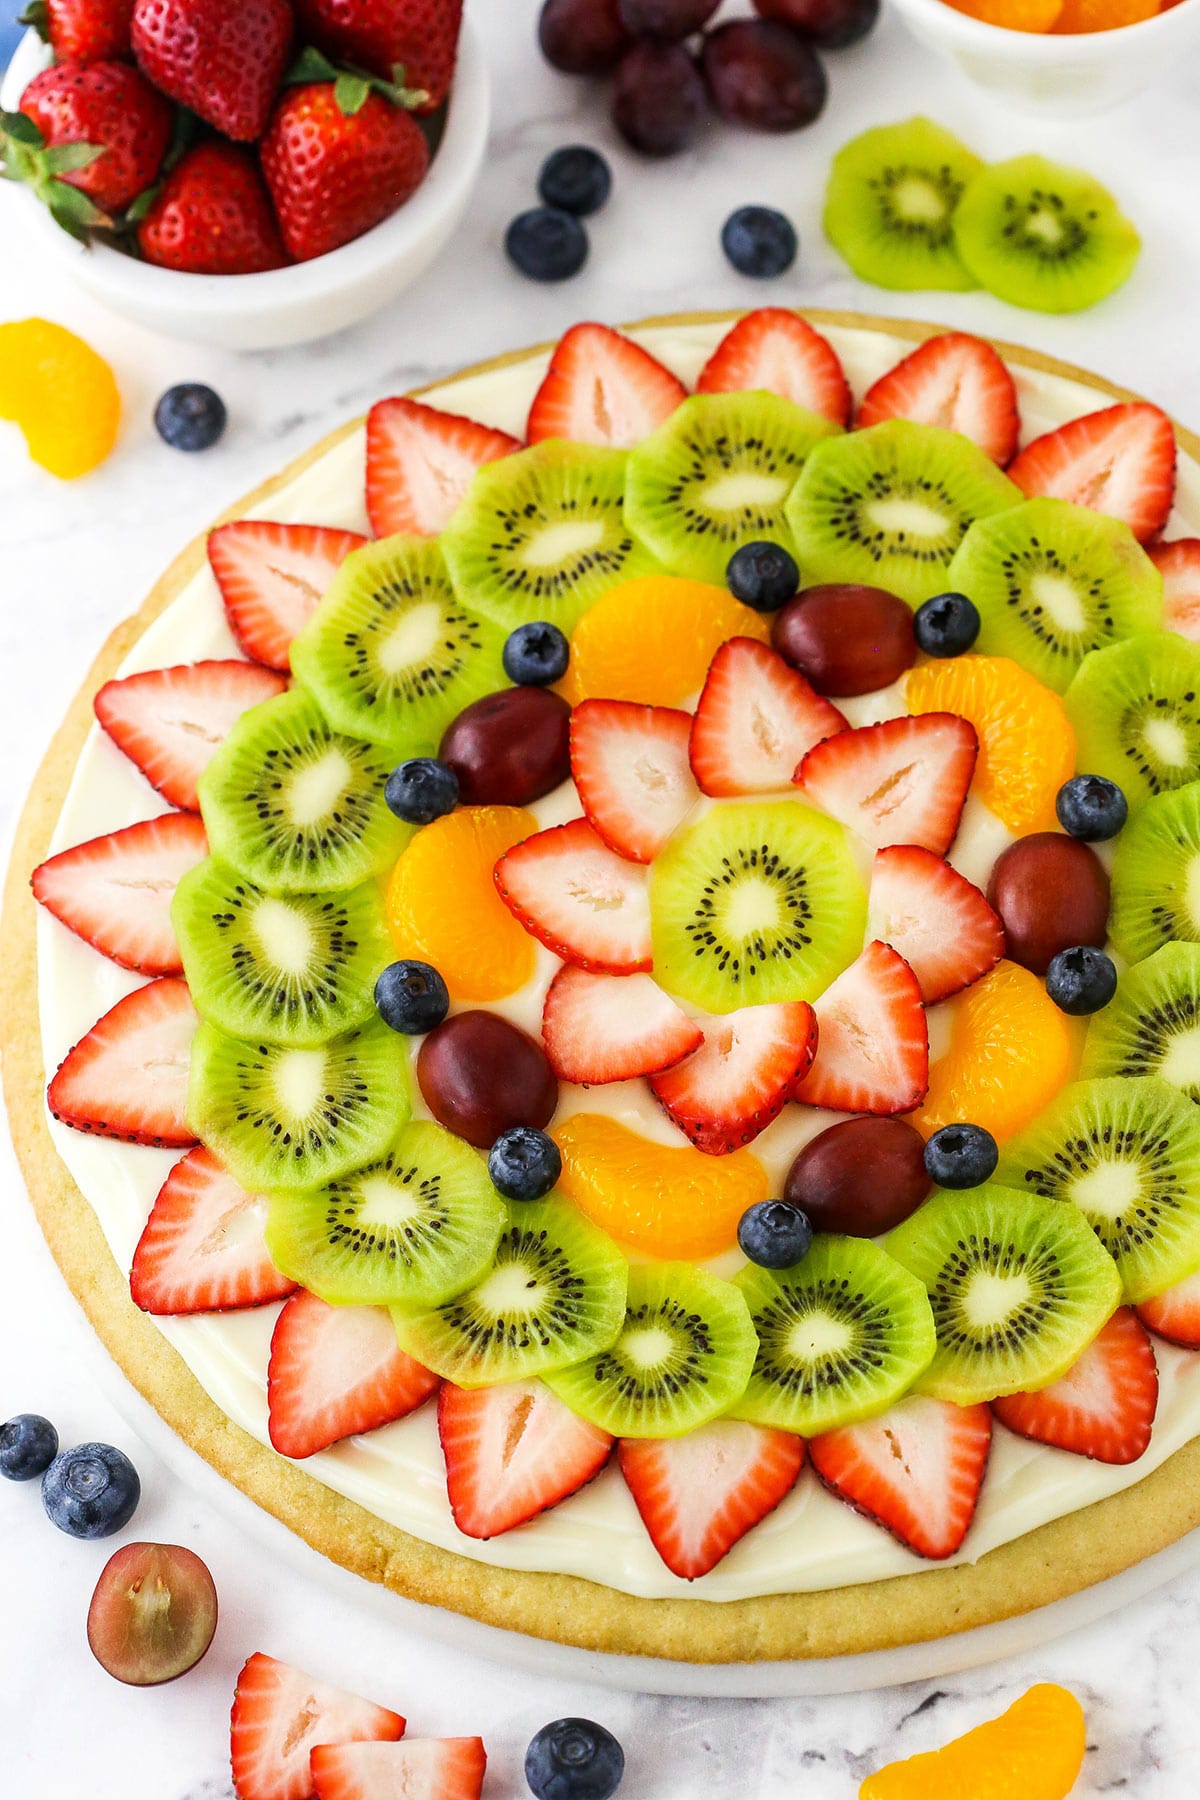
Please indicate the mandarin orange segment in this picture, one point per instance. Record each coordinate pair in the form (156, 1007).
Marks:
(443, 907)
(1034, 1751)
(1017, 15)
(61, 393)
(1026, 741)
(652, 639)
(656, 1198)
(1011, 1050)
(1102, 15)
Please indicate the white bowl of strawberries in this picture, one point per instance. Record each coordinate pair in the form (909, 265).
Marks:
(267, 175)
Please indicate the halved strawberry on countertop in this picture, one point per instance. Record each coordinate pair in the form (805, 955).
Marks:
(756, 720)
(630, 766)
(280, 1714)
(699, 1495)
(203, 1248)
(579, 898)
(904, 781)
(511, 1452)
(873, 1043)
(917, 1470)
(1104, 1406)
(170, 722)
(128, 1078)
(953, 380)
(936, 919)
(775, 349)
(602, 388)
(599, 1028)
(272, 578)
(1119, 460)
(420, 463)
(414, 1769)
(115, 892)
(335, 1371)
(1178, 562)
(738, 1081)
(1175, 1313)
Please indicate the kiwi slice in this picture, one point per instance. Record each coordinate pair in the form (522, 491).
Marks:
(1054, 581)
(297, 806)
(1136, 713)
(1127, 1152)
(1156, 875)
(554, 1292)
(890, 205)
(1151, 1026)
(1042, 236)
(683, 1355)
(542, 534)
(754, 903)
(841, 1336)
(716, 475)
(1019, 1288)
(279, 1116)
(890, 506)
(416, 1225)
(391, 653)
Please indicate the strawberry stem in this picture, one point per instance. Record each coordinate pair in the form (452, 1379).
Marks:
(351, 85)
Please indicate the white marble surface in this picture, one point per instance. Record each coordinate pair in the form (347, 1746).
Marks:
(73, 560)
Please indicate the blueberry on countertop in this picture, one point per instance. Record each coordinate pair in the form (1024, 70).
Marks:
(574, 1759)
(547, 244)
(28, 1445)
(576, 179)
(759, 241)
(91, 1491)
(190, 416)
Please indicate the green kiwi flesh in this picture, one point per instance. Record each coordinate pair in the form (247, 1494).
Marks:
(1156, 875)
(1151, 1026)
(1136, 713)
(890, 204)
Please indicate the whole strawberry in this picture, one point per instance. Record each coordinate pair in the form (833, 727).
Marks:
(422, 35)
(83, 30)
(222, 58)
(213, 216)
(109, 107)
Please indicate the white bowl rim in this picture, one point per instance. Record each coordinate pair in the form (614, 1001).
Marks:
(1042, 45)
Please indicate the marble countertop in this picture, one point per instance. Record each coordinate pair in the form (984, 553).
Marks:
(74, 560)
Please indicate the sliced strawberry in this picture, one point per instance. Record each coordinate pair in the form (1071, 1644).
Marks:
(115, 892)
(280, 1714)
(170, 721)
(1175, 1314)
(601, 388)
(272, 577)
(699, 1494)
(417, 1769)
(873, 1048)
(512, 1452)
(917, 1470)
(956, 381)
(203, 1248)
(630, 766)
(756, 720)
(1119, 461)
(775, 349)
(1104, 1406)
(1179, 565)
(936, 919)
(599, 1028)
(739, 1079)
(420, 463)
(128, 1078)
(579, 898)
(335, 1371)
(902, 782)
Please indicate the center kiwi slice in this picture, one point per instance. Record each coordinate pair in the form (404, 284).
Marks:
(755, 903)
(890, 505)
(1019, 1288)
(1136, 713)
(890, 204)
(841, 1336)
(1151, 1026)
(391, 653)
(1126, 1152)
(1156, 875)
(716, 475)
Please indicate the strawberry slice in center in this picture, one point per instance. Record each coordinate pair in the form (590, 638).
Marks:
(630, 767)
(579, 898)
(873, 1045)
(756, 720)
(902, 782)
(739, 1079)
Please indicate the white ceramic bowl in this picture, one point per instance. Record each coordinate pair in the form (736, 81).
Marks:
(306, 300)
(1058, 77)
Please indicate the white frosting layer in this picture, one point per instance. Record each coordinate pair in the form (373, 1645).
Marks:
(812, 1541)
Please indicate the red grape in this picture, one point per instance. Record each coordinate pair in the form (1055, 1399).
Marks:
(658, 98)
(846, 639)
(832, 24)
(582, 37)
(1051, 893)
(861, 1177)
(510, 748)
(665, 18)
(763, 75)
(153, 1613)
(480, 1075)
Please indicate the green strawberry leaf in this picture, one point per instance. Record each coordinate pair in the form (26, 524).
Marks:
(137, 209)
(37, 15)
(310, 65)
(21, 129)
(351, 92)
(64, 159)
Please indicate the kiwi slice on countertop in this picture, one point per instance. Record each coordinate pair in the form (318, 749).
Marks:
(1019, 1288)
(553, 1294)
(1136, 713)
(755, 902)
(841, 1336)
(1156, 875)
(890, 506)
(278, 1116)
(410, 1229)
(297, 806)
(542, 534)
(1151, 1026)
(1042, 236)
(890, 205)
(1127, 1153)
(716, 475)
(1054, 581)
(683, 1355)
(291, 968)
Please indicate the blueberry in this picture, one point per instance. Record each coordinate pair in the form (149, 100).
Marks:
(411, 997)
(961, 1156)
(574, 1759)
(546, 243)
(946, 625)
(536, 654)
(524, 1163)
(28, 1445)
(421, 790)
(576, 179)
(190, 416)
(1091, 807)
(763, 576)
(91, 1491)
(759, 241)
(775, 1234)
(1081, 980)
